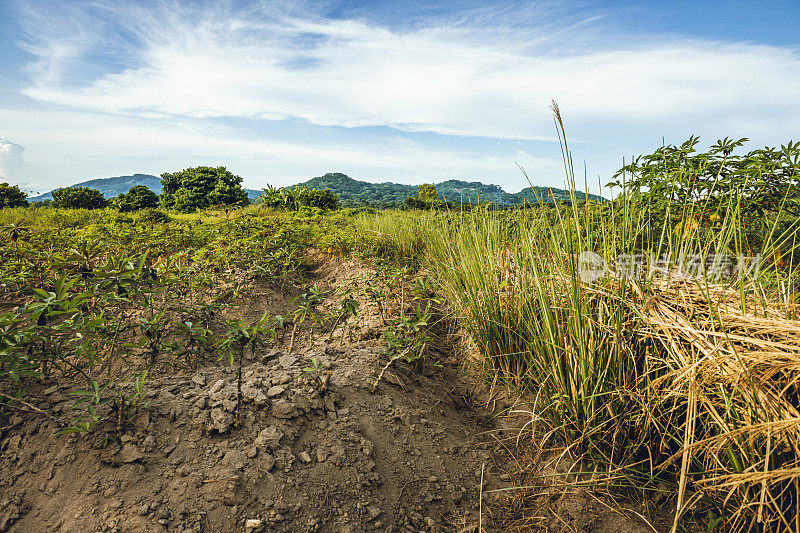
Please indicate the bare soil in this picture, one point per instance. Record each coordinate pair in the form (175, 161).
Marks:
(313, 451)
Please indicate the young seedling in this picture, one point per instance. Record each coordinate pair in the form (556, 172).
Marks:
(238, 337)
(307, 309)
(195, 338)
(315, 370)
(348, 308)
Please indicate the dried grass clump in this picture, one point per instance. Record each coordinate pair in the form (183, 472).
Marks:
(730, 383)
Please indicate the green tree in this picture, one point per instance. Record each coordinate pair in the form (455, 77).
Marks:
(201, 187)
(138, 197)
(427, 198)
(427, 192)
(78, 198)
(326, 199)
(12, 196)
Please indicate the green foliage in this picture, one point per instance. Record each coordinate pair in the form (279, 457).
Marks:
(12, 196)
(239, 337)
(678, 182)
(138, 197)
(152, 216)
(315, 198)
(427, 192)
(200, 188)
(297, 198)
(348, 307)
(361, 193)
(78, 198)
(84, 290)
(407, 335)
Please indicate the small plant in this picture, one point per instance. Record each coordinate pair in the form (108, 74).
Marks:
(314, 370)
(408, 334)
(152, 330)
(307, 304)
(93, 401)
(238, 337)
(120, 408)
(347, 308)
(194, 339)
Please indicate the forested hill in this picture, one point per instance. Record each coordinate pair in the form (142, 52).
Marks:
(354, 192)
(111, 187)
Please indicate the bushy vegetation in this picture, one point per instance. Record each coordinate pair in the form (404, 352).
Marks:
(656, 336)
(300, 198)
(200, 188)
(99, 296)
(138, 197)
(12, 196)
(78, 198)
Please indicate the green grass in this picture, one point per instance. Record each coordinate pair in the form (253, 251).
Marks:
(652, 379)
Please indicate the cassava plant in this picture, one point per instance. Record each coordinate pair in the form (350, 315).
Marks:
(238, 337)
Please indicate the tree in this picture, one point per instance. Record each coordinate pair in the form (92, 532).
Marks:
(412, 202)
(138, 197)
(427, 198)
(12, 196)
(326, 199)
(427, 192)
(78, 198)
(201, 187)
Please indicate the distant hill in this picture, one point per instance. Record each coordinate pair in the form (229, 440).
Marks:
(111, 187)
(354, 192)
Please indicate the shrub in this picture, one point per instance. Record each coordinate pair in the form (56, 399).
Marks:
(12, 196)
(293, 199)
(153, 216)
(138, 197)
(78, 198)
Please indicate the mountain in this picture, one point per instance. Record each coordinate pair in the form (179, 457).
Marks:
(353, 192)
(111, 187)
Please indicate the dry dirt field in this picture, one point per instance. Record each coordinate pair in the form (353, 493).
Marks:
(431, 448)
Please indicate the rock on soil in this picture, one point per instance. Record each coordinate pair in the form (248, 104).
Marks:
(301, 457)
(345, 460)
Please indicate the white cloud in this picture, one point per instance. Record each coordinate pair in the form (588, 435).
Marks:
(116, 88)
(450, 80)
(79, 145)
(11, 162)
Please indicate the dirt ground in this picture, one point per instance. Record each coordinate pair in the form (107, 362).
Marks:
(428, 450)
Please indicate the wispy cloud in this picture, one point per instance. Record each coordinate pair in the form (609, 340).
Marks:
(447, 80)
(486, 73)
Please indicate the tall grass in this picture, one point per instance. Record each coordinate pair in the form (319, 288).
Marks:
(654, 378)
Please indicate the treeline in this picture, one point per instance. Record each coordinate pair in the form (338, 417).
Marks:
(354, 193)
(200, 188)
(185, 191)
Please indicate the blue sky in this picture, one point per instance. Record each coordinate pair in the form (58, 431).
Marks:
(393, 90)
